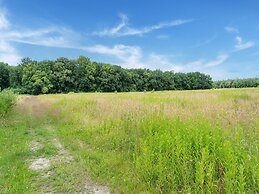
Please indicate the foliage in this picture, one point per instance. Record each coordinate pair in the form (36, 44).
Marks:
(237, 83)
(4, 76)
(82, 75)
(204, 161)
(7, 100)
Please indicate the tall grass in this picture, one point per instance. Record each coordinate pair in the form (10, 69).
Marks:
(195, 156)
(7, 100)
(165, 142)
(174, 155)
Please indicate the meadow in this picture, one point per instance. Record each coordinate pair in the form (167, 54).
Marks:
(202, 141)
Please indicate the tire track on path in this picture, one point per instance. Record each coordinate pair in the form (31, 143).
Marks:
(49, 167)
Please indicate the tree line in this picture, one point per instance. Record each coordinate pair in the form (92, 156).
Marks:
(83, 75)
(237, 83)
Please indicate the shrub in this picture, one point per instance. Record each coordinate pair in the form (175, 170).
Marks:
(7, 100)
(18, 90)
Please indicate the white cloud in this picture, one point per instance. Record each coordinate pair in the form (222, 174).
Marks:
(219, 74)
(231, 29)
(49, 37)
(3, 20)
(60, 37)
(116, 29)
(123, 29)
(241, 45)
(201, 64)
(53, 36)
(125, 55)
(132, 57)
(8, 53)
(157, 60)
(129, 56)
(219, 60)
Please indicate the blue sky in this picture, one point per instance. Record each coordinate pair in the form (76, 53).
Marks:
(220, 37)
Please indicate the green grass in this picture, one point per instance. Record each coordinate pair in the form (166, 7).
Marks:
(165, 155)
(18, 130)
(160, 142)
(15, 176)
(149, 150)
(195, 156)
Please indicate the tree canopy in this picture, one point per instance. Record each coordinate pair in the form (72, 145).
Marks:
(237, 83)
(82, 75)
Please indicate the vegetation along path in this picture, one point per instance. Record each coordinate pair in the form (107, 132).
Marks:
(37, 161)
(203, 141)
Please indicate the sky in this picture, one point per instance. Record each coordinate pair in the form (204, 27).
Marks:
(216, 37)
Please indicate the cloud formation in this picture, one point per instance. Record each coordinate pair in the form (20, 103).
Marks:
(8, 53)
(123, 29)
(51, 36)
(133, 57)
(241, 45)
(125, 55)
(60, 37)
(201, 64)
(129, 56)
(3, 21)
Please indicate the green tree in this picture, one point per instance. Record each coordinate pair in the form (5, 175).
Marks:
(63, 76)
(35, 81)
(85, 74)
(4, 76)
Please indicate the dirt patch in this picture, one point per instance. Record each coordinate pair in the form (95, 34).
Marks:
(63, 155)
(96, 189)
(35, 146)
(40, 164)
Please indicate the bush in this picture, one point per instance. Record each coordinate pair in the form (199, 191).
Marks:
(7, 100)
(18, 90)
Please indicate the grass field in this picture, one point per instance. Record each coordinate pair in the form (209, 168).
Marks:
(154, 142)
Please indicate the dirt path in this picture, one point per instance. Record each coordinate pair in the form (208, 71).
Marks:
(53, 168)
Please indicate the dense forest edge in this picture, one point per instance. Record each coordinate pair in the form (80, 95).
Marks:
(82, 75)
